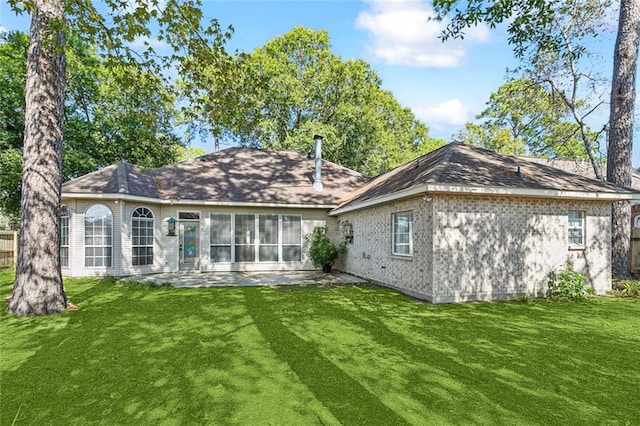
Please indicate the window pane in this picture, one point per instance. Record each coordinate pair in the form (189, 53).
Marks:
(291, 229)
(245, 253)
(220, 229)
(221, 253)
(291, 253)
(245, 229)
(268, 226)
(188, 216)
(268, 254)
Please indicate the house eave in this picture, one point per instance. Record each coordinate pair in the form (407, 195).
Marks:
(179, 202)
(487, 191)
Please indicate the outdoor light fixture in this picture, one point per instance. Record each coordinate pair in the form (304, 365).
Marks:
(171, 227)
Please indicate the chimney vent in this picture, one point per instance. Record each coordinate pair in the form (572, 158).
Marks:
(317, 182)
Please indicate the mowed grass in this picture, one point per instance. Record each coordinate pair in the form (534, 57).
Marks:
(135, 354)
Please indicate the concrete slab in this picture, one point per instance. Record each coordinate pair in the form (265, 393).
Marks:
(238, 279)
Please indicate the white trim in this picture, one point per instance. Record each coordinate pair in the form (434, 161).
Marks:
(86, 196)
(483, 190)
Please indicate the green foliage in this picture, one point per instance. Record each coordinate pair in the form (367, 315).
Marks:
(281, 94)
(626, 288)
(322, 251)
(108, 117)
(568, 284)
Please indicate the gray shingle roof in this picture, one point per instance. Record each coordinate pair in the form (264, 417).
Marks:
(465, 165)
(235, 175)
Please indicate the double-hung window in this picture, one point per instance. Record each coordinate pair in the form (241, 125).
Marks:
(402, 233)
(268, 238)
(142, 237)
(245, 233)
(576, 229)
(98, 236)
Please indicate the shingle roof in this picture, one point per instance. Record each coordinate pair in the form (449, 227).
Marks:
(235, 175)
(459, 164)
(582, 168)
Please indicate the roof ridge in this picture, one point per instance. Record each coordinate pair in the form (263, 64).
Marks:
(439, 167)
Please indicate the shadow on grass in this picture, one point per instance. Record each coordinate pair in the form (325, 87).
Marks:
(348, 400)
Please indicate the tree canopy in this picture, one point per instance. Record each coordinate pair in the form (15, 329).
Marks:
(105, 120)
(294, 86)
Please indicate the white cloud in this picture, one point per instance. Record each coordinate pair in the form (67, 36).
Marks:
(402, 34)
(3, 29)
(451, 112)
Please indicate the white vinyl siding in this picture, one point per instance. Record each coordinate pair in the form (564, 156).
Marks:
(576, 228)
(142, 226)
(402, 233)
(98, 236)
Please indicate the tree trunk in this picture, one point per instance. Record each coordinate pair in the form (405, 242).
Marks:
(38, 288)
(621, 130)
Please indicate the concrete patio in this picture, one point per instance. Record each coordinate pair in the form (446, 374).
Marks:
(239, 279)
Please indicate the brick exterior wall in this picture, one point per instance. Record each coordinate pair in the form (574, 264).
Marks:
(480, 248)
(369, 256)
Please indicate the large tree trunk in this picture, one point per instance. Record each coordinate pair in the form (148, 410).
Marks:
(38, 286)
(621, 129)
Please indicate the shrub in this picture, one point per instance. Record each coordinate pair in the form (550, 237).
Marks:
(322, 251)
(568, 284)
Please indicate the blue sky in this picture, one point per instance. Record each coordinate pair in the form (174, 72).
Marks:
(445, 85)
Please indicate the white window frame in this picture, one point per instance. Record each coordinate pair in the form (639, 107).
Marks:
(64, 236)
(573, 225)
(107, 248)
(148, 242)
(394, 236)
(259, 235)
(282, 242)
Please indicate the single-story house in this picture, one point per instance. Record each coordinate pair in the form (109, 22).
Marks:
(460, 223)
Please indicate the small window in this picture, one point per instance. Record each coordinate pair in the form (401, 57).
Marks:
(98, 236)
(188, 216)
(403, 234)
(142, 237)
(576, 228)
(64, 237)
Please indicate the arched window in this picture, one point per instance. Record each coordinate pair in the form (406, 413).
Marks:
(142, 237)
(64, 236)
(98, 236)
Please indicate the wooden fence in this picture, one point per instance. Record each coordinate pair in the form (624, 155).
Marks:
(635, 250)
(8, 248)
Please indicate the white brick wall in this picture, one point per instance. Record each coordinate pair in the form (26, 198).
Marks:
(480, 248)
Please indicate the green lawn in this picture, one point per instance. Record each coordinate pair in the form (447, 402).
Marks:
(329, 355)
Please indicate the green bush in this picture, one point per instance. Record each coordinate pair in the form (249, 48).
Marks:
(322, 251)
(568, 284)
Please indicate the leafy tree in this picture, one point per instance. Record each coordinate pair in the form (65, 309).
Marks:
(38, 286)
(282, 93)
(522, 116)
(105, 121)
(529, 27)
